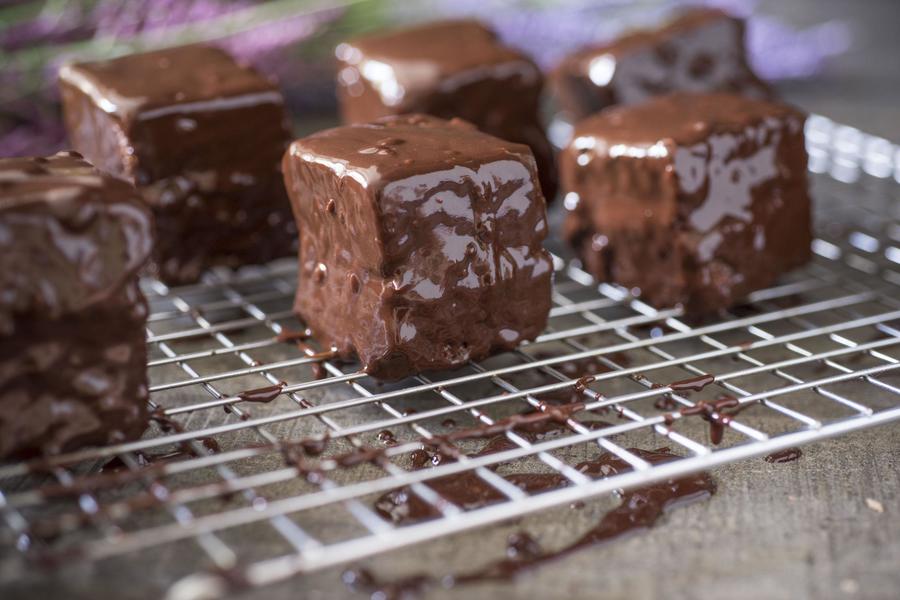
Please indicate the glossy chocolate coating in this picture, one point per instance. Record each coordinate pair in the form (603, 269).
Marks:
(701, 51)
(421, 242)
(448, 69)
(201, 137)
(72, 346)
(693, 198)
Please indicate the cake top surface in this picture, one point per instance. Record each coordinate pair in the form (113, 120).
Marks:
(70, 235)
(451, 46)
(687, 21)
(184, 78)
(681, 117)
(393, 148)
(436, 57)
(54, 179)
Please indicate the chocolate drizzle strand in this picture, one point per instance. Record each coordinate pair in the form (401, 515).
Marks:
(262, 395)
(694, 384)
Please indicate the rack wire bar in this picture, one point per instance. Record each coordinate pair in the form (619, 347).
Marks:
(816, 356)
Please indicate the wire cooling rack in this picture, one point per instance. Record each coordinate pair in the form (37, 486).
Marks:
(814, 357)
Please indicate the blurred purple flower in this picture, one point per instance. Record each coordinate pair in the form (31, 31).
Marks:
(122, 19)
(779, 52)
(261, 44)
(58, 26)
(29, 111)
(548, 32)
(30, 121)
(35, 138)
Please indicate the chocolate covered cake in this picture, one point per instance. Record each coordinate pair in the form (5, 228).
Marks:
(447, 69)
(420, 242)
(700, 51)
(692, 198)
(201, 136)
(72, 317)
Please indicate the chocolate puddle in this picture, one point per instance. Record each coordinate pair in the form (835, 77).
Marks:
(468, 490)
(549, 415)
(639, 509)
(386, 437)
(783, 456)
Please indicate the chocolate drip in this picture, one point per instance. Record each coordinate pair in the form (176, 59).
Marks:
(695, 384)
(664, 402)
(715, 413)
(583, 371)
(535, 422)
(168, 425)
(288, 336)
(362, 580)
(532, 425)
(262, 395)
(311, 353)
(314, 446)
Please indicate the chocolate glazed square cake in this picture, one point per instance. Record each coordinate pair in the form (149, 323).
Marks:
(72, 317)
(420, 243)
(448, 69)
(696, 199)
(202, 137)
(702, 50)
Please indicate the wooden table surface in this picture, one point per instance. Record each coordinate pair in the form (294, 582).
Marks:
(795, 530)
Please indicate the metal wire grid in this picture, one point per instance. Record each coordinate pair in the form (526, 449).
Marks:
(819, 352)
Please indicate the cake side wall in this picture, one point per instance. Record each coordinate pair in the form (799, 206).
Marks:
(622, 223)
(471, 276)
(67, 382)
(99, 136)
(214, 183)
(341, 300)
(745, 209)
